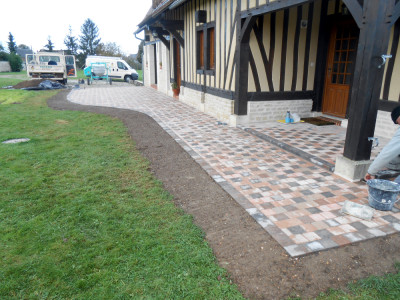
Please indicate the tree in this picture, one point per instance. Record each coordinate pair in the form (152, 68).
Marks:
(71, 42)
(89, 40)
(12, 46)
(49, 46)
(1, 47)
(109, 49)
(23, 46)
(140, 52)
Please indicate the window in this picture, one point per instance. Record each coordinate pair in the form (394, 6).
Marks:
(121, 65)
(69, 60)
(211, 48)
(30, 59)
(200, 49)
(47, 58)
(206, 48)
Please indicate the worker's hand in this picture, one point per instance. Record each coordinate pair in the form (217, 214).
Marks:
(369, 177)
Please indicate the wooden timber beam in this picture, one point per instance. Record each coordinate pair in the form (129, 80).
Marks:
(271, 7)
(159, 30)
(242, 64)
(176, 25)
(160, 35)
(164, 41)
(356, 11)
(173, 31)
(367, 79)
(247, 27)
(396, 14)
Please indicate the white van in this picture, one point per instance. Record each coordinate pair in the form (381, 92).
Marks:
(117, 67)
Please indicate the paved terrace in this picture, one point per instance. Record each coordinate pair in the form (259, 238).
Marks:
(296, 200)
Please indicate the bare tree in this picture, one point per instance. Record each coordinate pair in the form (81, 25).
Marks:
(71, 42)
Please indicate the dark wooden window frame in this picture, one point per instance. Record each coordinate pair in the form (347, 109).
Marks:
(210, 48)
(205, 48)
(200, 50)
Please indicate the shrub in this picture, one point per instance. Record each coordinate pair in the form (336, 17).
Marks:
(15, 62)
(3, 56)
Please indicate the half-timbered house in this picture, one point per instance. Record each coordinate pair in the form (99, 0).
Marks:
(250, 61)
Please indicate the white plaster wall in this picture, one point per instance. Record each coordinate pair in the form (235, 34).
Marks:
(163, 79)
(5, 66)
(146, 66)
(151, 63)
(163, 71)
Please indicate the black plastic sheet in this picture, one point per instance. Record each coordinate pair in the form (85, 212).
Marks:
(46, 85)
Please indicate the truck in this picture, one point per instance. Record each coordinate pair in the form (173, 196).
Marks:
(117, 67)
(51, 65)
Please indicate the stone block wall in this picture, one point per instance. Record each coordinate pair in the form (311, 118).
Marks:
(258, 111)
(215, 106)
(218, 107)
(192, 98)
(265, 111)
(5, 66)
(384, 126)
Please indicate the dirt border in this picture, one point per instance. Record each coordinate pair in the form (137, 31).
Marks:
(257, 263)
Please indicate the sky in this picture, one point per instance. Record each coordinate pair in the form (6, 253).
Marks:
(32, 22)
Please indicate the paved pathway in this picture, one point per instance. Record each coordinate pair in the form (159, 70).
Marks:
(293, 199)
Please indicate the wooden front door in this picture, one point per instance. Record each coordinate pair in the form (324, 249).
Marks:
(339, 68)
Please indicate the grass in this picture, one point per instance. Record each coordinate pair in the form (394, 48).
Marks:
(15, 74)
(80, 74)
(140, 72)
(4, 82)
(373, 287)
(15, 96)
(83, 218)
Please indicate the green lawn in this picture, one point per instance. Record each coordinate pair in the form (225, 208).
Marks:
(140, 72)
(82, 217)
(15, 96)
(371, 288)
(21, 74)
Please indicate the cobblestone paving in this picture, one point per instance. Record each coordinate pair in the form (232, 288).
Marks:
(319, 144)
(294, 200)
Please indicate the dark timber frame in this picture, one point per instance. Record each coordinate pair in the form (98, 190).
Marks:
(160, 35)
(242, 63)
(374, 18)
(173, 27)
(245, 22)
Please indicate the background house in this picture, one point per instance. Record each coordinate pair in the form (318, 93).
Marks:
(23, 53)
